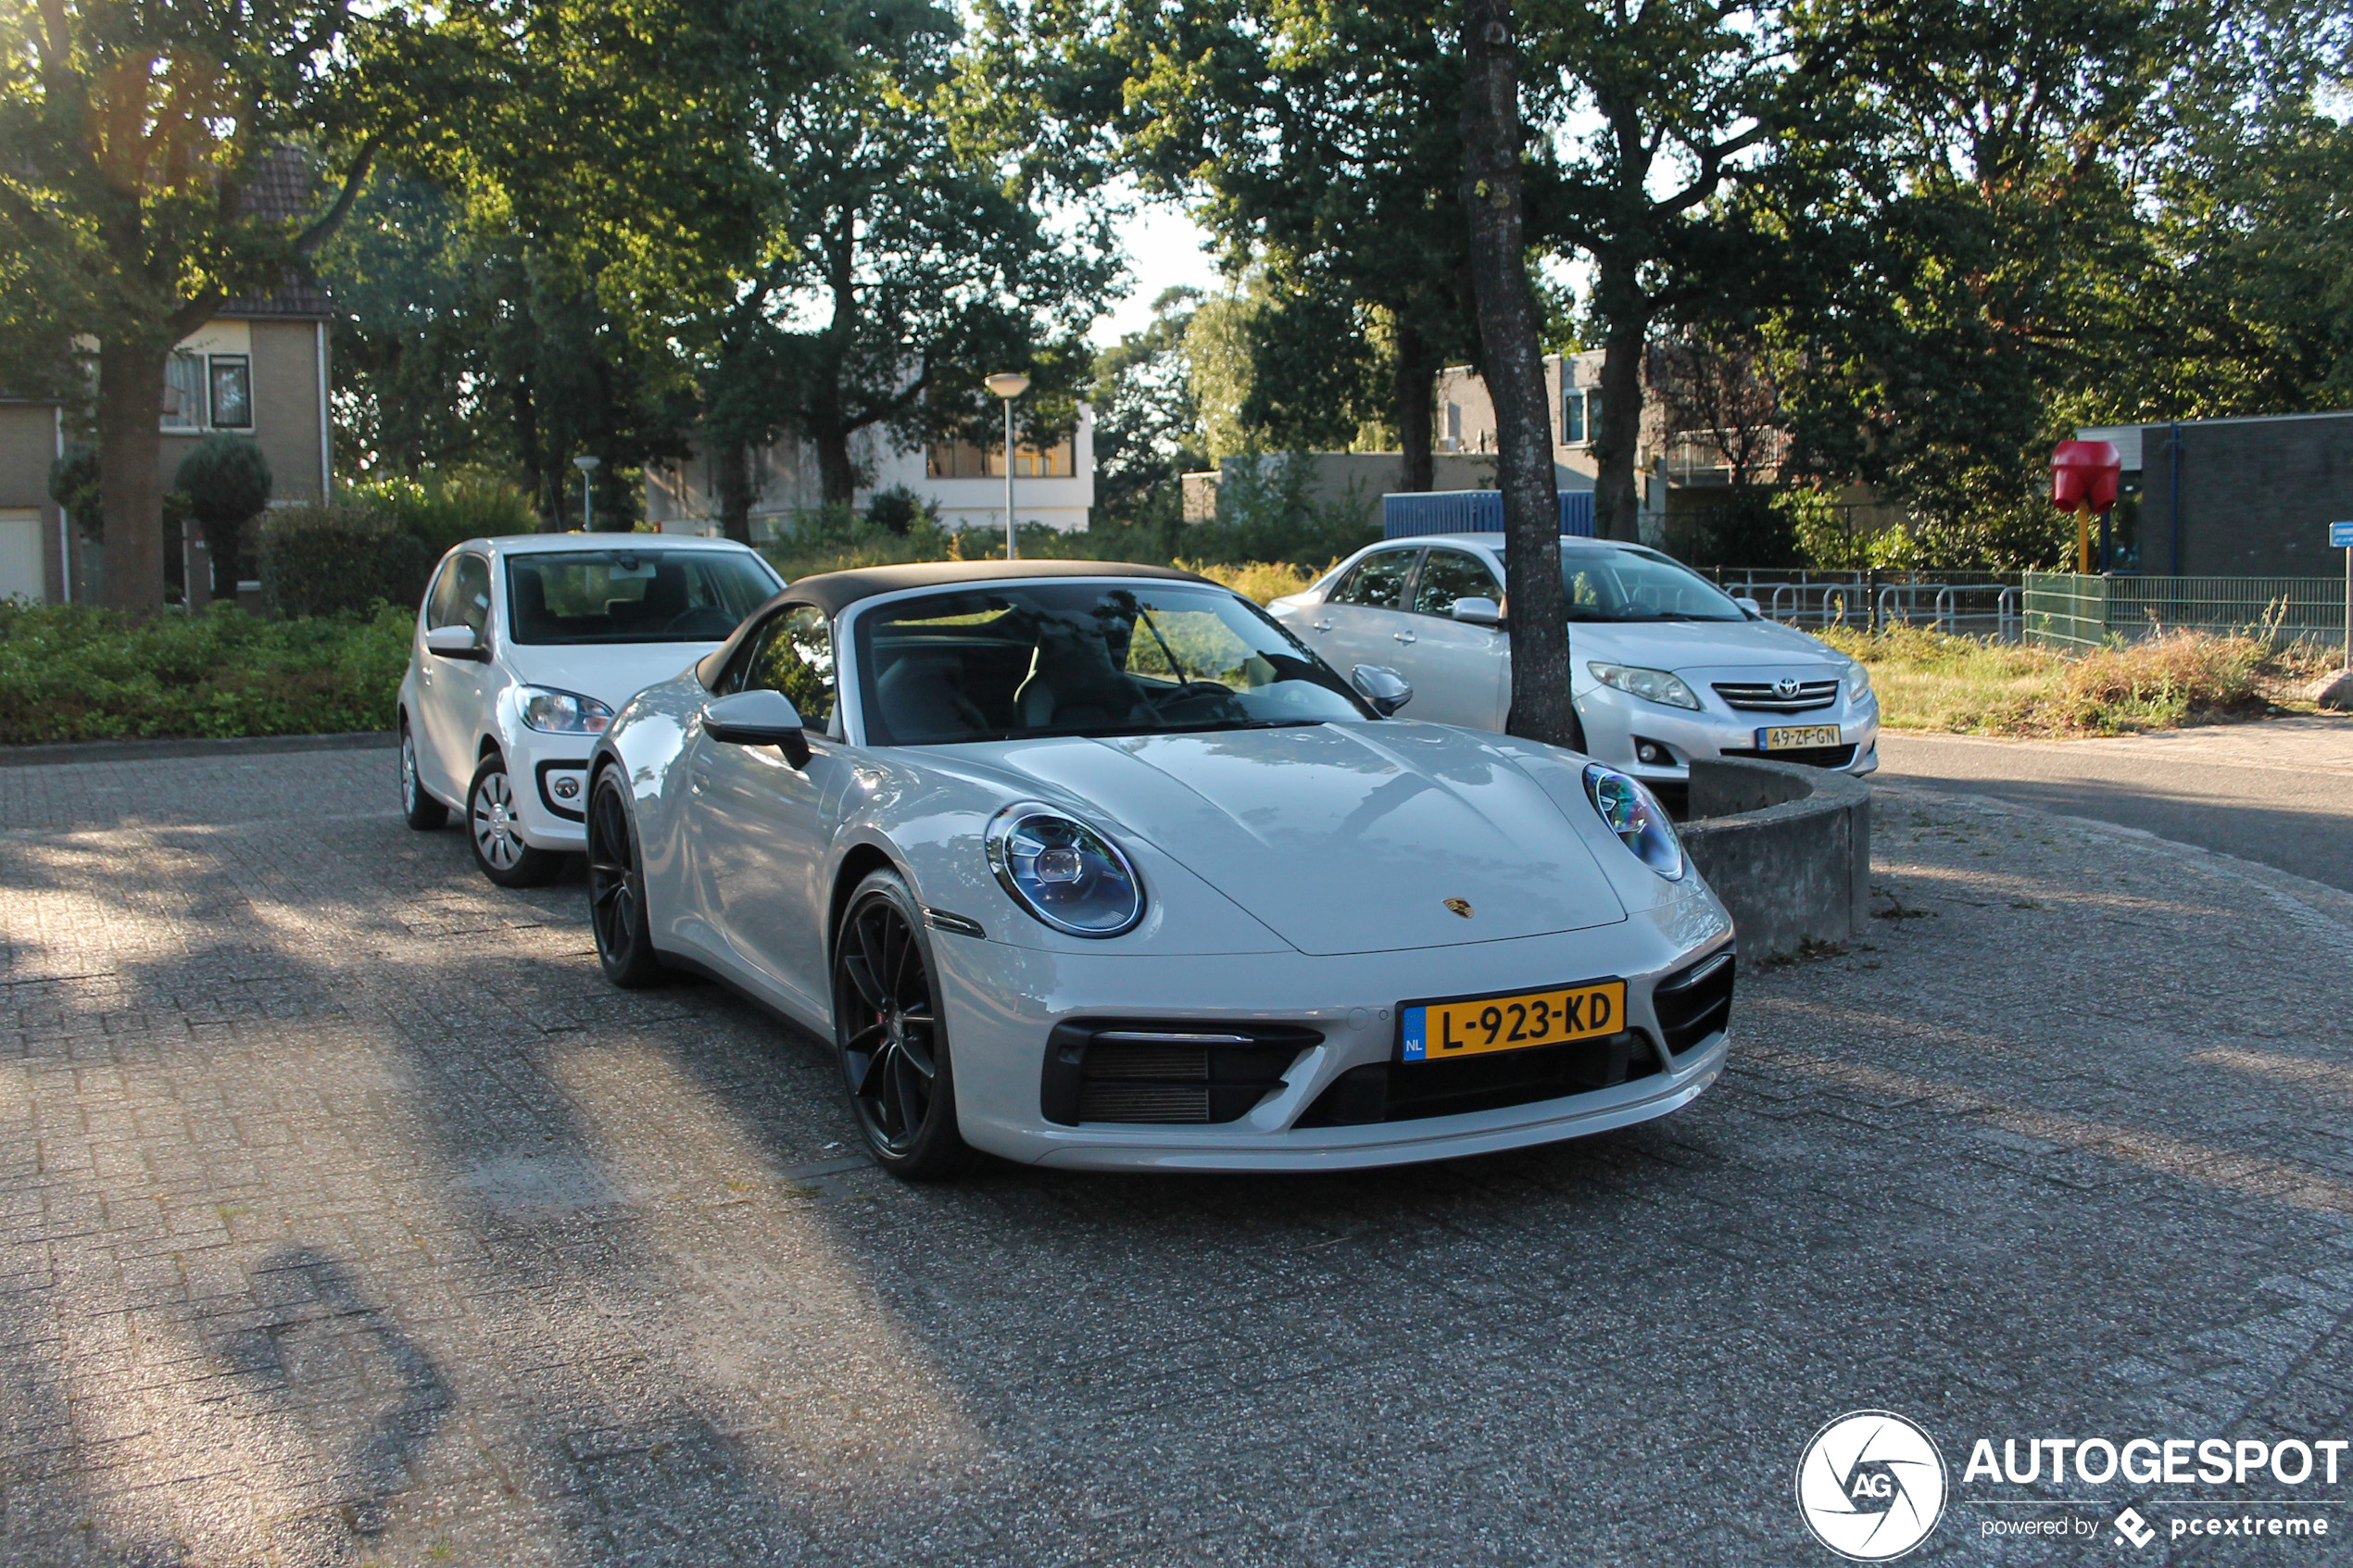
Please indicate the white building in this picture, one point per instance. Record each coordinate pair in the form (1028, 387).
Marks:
(964, 482)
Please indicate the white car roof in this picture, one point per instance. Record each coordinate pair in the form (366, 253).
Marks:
(1497, 541)
(533, 543)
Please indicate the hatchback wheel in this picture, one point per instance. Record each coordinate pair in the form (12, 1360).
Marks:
(499, 850)
(422, 811)
(887, 1026)
(617, 890)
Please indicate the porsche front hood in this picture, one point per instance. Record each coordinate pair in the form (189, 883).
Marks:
(1342, 838)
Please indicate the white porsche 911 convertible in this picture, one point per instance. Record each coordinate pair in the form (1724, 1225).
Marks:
(1098, 866)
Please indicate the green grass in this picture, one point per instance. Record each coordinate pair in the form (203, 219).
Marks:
(1965, 686)
(69, 673)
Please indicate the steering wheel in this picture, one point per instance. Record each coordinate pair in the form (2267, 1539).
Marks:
(707, 620)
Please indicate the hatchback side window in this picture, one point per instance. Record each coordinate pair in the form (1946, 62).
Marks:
(442, 597)
(1449, 575)
(793, 654)
(461, 598)
(1378, 581)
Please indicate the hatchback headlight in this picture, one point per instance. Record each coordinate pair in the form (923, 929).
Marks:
(1650, 685)
(1635, 815)
(1065, 872)
(564, 713)
(1858, 679)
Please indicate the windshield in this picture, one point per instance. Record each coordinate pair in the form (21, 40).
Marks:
(1637, 585)
(1081, 658)
(628, 596)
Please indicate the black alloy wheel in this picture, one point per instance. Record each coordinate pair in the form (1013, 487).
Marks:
(418, 807)
(886, 1024)
(617, 890)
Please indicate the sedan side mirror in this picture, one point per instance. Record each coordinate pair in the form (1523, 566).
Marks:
(1383, 687)
(761, 718)
(1754, 610)
(455, 642)
(1478, 611)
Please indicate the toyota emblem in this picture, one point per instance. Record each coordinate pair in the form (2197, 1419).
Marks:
(1785, 686)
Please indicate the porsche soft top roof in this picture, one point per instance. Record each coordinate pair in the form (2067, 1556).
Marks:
(834, 592)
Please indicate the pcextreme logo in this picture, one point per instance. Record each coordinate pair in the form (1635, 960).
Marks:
(1871, 1485)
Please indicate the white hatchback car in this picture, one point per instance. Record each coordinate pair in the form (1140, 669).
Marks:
(526, 646)
(1664, 666)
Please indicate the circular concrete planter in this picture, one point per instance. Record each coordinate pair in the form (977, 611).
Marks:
(1788, 849)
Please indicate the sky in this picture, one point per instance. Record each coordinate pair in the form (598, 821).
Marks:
(1164, 250)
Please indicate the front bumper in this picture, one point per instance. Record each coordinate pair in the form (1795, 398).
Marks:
(550, 778)
(1616, 722)
(1003, 1002)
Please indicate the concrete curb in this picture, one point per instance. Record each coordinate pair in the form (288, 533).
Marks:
(1788, 849)
(141, 750)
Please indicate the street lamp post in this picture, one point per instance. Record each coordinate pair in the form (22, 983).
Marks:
(1009, 385)
(586, 463)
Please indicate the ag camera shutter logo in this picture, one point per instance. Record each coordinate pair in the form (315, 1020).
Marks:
(1871, 1485)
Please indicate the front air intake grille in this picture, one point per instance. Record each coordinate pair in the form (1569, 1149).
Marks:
(1408, 1091)
(1101, 1069)
(1696, 1003)
(1808, 756)
(1767, 696)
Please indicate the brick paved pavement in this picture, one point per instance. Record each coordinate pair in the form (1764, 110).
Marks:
(347, 1217)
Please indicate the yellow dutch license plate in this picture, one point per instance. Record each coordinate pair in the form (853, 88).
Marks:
(1796, 737)
(1436, 1030)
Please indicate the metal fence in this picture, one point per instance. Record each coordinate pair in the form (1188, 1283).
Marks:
(2065, 611)
(1957, 603)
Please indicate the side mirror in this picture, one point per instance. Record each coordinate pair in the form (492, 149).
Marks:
(1384, 689)
(1755, 611)
(455, 642)
(1478, 611)
(762, 718)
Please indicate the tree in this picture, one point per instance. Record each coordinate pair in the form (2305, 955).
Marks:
(227, 481)
(151, 160)
(1147, 424)
(1511, 360)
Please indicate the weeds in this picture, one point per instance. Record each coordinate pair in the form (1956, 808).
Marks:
(1927, 680)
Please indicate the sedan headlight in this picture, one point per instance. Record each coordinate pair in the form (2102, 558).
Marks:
(564, 713)
(1638, 820)
(1650, 685)
(1065, 872)
(1858, 679)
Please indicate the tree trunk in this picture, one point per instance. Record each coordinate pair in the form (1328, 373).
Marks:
(731, 476)
(1618, 435)
(1413, 384)
(1512, 362)
(131, 384)
(836, 475)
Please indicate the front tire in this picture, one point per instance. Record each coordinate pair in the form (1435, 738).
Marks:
(888, 1034)
(418, 807)
(617, 890)
(497, 838)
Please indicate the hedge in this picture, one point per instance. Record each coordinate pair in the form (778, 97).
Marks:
(71, 672)
(339, 560)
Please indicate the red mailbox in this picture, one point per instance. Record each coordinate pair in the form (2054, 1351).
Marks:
(2084, 473)
(2083, 478)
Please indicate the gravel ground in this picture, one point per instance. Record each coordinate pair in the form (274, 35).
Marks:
(347, 1217)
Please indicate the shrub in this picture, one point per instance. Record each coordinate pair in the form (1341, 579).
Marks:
(73, 484)
(225, 481)
(72, 672)
(898, 509)
(444, 510)
(339, 559)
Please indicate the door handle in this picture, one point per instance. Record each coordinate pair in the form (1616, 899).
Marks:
(700, 779)
(1405, 636)
(1320, 625)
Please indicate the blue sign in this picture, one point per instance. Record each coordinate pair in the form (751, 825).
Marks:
(2341, 536)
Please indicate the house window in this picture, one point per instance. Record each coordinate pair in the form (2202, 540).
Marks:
(966, 459)
(1454, 426)
(184, 392)
(231, 392)
(1593, 416)
(1572, 417)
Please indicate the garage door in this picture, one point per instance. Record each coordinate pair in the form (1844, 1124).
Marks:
(20, 574)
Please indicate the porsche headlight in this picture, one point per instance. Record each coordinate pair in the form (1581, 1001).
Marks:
(1065, 872)
(1858, 679)
(563, 713)
(1638, 820)
(1650, 685)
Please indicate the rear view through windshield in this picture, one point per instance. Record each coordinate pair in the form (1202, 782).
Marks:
(1637, 585)
(633, 596)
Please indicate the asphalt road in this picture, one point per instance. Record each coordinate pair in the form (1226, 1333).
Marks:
(2279, 793)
